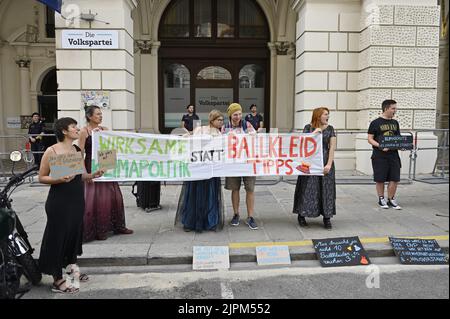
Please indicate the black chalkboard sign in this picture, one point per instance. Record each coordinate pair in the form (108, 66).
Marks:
(398, 142)
(418, 251)
(337, 252)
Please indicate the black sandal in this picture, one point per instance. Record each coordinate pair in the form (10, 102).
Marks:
(327, 223)
(302, 221)
(57, 288)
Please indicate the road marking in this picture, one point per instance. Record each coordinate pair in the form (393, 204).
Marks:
(226, 291)
(309, 242)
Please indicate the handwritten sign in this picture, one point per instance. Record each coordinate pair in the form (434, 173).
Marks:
(107, 159)
(211, 257)
(66, 165)
(273, 255)
(337, 252)
(418, 251)
(397, 142)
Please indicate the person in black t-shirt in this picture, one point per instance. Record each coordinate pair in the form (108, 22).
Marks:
(35, 129)
(386, 163)
(188, 120)
(255, 118)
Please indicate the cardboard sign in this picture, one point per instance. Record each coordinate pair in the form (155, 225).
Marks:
(337, 252)
(398, 142)
(273, 255)
(66, 165)
(418, 251)
(107, 159)
(210, 258)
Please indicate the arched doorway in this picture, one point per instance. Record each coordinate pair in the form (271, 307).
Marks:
(212, 56)
(47, 100)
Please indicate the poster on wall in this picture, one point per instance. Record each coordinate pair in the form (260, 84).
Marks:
(98, 98)
(25, 121)
(13, 122)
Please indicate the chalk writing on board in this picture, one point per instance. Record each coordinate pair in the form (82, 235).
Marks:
(335, 252)
(418, 251)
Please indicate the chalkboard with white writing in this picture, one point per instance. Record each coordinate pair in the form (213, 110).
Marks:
(398, 142)
(418, 251)
(337, 252)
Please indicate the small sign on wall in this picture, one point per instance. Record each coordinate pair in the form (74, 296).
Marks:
(98, 98)
(90, 39)
(13, 122)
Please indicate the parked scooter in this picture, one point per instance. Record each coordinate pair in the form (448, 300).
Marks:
(15, 249)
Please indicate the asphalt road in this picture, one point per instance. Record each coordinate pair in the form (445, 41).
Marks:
(301, 280)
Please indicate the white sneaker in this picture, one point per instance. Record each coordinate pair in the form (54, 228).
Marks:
(393, 203)
(382, 203)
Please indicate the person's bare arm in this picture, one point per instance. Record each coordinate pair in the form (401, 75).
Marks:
(374, 143)
(333, 143)
(82, 139)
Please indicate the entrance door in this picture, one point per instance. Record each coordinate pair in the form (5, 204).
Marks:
(213, 53)
(210, 85)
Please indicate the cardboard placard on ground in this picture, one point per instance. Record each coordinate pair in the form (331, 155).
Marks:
(338, 252)
(66, 165)
(418, 251)
(107, 159)
(211, 257)
(273, 255)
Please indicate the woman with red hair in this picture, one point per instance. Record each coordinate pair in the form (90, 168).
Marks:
(316, 195)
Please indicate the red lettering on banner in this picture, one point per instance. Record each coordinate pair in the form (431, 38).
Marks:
(288, 165)
(243, 147)
(308, 141)
(281, 154)
(272, 143)
(280, 164)
(300, 146)
(292, 146)
(254, 162)
(232, 145)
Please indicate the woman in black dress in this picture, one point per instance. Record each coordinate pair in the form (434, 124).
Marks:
(61, 243)
(316, 195)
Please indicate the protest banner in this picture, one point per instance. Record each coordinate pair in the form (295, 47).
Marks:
(147, 157)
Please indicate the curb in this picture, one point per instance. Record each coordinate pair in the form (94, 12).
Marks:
(237, 256)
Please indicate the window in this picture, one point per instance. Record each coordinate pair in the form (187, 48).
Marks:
(177, 93)
(214, 19)
(50, 23)
(176, 21)
(214, 73)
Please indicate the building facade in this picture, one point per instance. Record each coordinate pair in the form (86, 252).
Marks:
(288, 57)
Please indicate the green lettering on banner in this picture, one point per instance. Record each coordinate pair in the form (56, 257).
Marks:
(155, 146)
(106, 144)
(184, 170)
(122, 165)
(128, 143)
(151, 170)
(119, 146)
(134, 170)
(171, 147)
(141, 143)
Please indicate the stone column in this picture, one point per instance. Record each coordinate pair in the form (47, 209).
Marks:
(2, 111)
(98, 70)
(399, 55)
(25, 99)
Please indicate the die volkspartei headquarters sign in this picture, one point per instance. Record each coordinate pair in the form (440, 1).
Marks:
(90, 39)
(147, 157)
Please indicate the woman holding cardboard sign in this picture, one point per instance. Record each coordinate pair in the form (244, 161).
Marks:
(104, 210)
(316, 195)
(64, 207)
